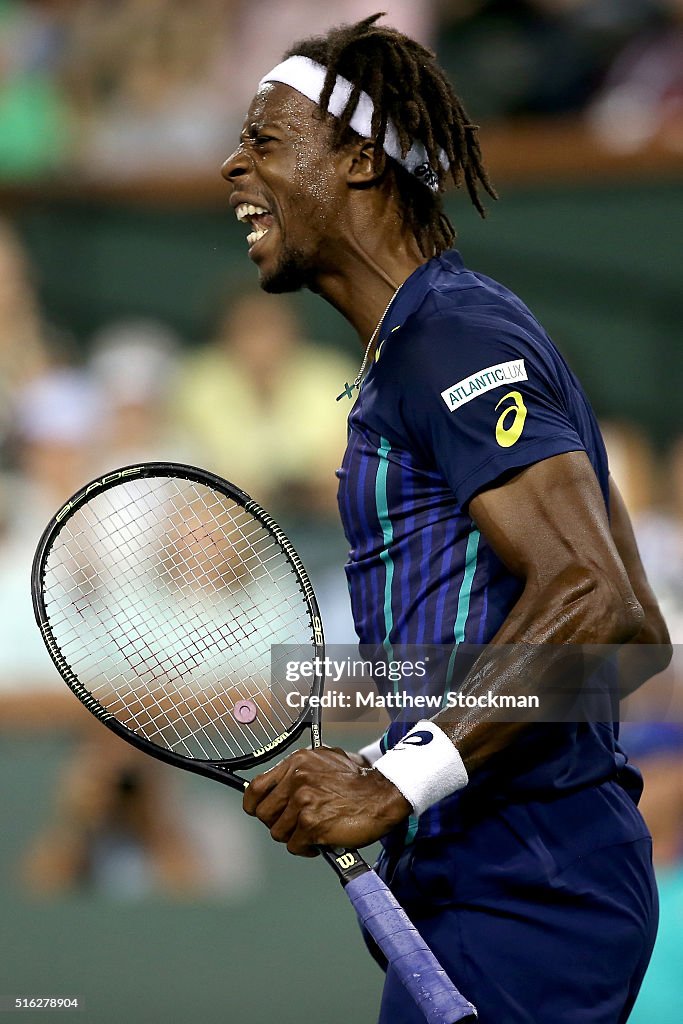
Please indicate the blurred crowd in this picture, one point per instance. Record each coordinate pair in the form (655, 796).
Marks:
(111, 90)
(234, 406)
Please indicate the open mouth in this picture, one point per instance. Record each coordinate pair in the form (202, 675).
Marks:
(259, 218)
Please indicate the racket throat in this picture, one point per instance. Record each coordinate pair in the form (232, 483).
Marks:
(347, 864)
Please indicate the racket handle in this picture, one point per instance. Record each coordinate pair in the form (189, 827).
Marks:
(408, 954)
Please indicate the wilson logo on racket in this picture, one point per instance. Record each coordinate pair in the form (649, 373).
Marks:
(269, 746)
(118, 475)
(346, 861)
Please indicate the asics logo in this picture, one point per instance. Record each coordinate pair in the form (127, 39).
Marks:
(416, 739)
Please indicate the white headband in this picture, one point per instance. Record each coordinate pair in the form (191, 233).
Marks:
(308, 78)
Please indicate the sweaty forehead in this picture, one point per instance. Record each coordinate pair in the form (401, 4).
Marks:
(284, 106)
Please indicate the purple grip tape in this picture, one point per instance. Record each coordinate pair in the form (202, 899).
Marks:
(407, 952)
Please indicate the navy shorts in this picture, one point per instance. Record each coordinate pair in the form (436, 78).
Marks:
(542, 913)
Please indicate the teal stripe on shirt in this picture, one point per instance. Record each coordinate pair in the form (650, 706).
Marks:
(388, 536)
(464, 597)
(463, 611)
(465, 594)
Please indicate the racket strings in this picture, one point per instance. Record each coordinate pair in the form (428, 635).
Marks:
(165, 597)
(164, 667)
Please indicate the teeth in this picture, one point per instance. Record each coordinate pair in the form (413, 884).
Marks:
(255, 235)
(246, 210)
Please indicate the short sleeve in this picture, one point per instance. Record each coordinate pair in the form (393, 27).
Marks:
(484, 399)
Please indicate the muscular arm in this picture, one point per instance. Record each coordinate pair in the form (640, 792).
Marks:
(575, 591)
(549, 526)
(583, 584)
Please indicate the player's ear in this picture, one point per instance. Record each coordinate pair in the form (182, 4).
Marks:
(361, 171)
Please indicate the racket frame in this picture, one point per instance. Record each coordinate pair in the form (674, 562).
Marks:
(210, 768)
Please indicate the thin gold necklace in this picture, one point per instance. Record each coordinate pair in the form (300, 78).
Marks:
(350, 388)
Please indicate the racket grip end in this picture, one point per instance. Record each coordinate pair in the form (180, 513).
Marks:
(407, 953)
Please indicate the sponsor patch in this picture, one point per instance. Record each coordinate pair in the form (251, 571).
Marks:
(484, 380)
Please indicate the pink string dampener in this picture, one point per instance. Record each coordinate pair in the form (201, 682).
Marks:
(245, 711)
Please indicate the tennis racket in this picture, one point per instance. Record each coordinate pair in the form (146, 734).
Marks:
(162, 593)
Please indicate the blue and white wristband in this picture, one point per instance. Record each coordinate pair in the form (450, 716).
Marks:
(424, 766)
(372, 752)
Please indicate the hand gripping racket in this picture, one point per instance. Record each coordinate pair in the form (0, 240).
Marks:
(160, 590)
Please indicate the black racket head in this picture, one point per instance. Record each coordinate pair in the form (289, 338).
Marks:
(159, 590)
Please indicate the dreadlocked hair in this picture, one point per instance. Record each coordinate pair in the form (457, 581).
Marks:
(408, 88)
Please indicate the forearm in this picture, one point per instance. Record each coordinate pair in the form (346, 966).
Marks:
(535, 652)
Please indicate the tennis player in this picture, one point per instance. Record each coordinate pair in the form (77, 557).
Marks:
(476, 499)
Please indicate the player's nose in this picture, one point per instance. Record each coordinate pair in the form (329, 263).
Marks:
(237, 164)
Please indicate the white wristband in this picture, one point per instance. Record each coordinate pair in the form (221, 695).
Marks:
(372, 752)
(424, 766)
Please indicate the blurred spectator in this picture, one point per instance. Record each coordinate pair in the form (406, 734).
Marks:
(57, 420)
(48, 422)
(142, 78)
(657, 748)
(145, 86)
(259, 401)
(655, 502)
(34, 122)
(135, 364)
(121, 827)
(661, 541)
(161, 87)
(22, 350)
(57, 425)
(510, 57)
(263, 29)
(641, 101)
(112, 830)
(633, 467)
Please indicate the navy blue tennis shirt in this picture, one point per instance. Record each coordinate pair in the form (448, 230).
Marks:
(466, 390)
